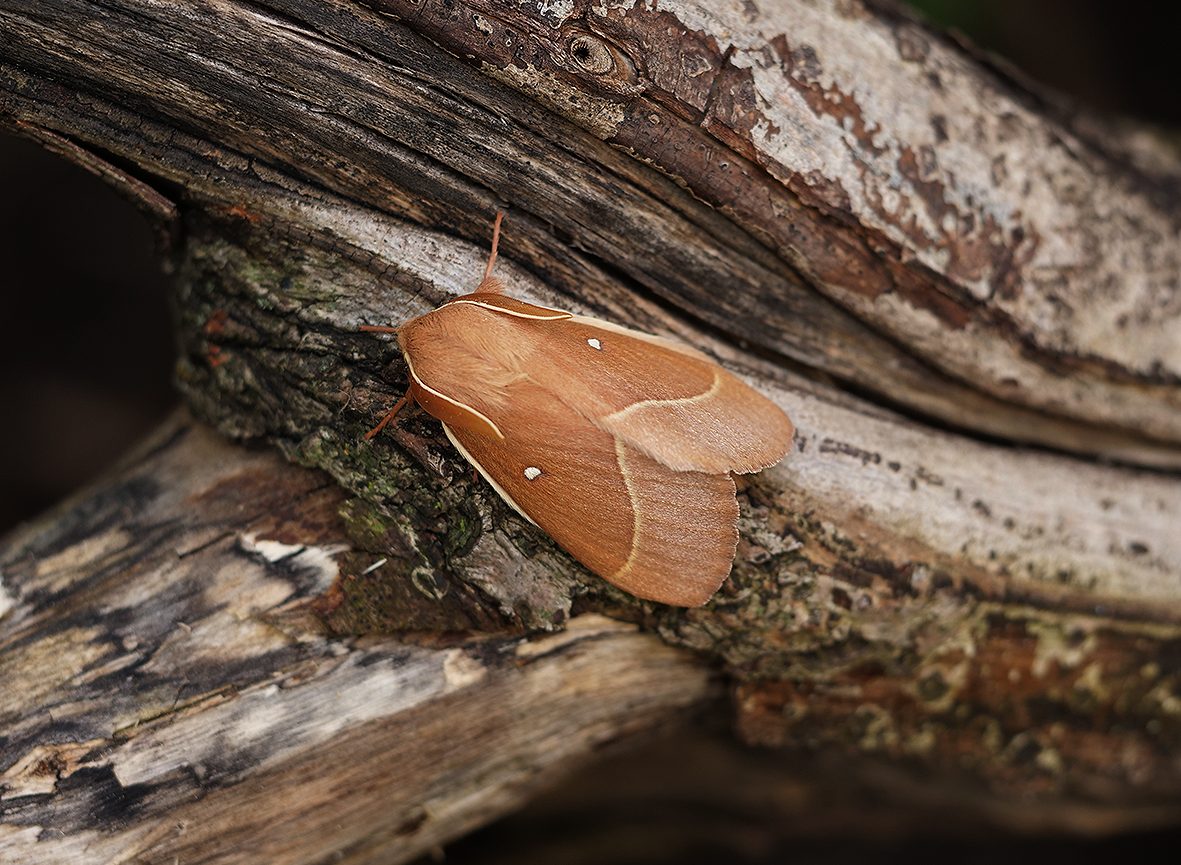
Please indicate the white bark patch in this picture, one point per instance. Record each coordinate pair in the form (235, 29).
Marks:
(556, 11)
(52, 570)
(309, 709)
(7, 599)
(578, 628)
(318, 561)
(460, 669)
(27, 776)
(1024, 516)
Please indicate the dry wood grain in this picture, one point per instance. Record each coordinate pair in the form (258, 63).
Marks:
(170, 696)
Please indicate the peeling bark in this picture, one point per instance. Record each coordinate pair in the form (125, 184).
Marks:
(927, 265)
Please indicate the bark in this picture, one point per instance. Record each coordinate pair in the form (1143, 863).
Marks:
(965, 298)
(170, 695)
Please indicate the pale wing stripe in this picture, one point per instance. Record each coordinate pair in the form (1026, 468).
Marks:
(499, 489)
(558, 314)
(684, 400)
(621, 459)
(454, 402)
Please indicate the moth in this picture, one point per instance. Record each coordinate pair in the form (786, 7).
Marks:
(619, 444)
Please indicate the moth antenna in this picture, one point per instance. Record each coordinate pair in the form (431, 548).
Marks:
(495, 243)
(488, 283)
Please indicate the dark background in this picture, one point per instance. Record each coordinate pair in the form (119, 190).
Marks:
(85, 368)
(86, 354)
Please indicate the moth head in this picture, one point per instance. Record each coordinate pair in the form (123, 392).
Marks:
(490, 285)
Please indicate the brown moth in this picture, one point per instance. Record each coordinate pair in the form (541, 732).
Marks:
(619, 444)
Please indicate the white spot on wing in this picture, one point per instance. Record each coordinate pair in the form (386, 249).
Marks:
(595, 344)
(532, 473)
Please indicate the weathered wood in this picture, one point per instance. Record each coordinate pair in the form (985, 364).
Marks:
(921, 261)
(170, 696)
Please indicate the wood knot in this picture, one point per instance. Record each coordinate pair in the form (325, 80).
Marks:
(598, 61)
(591, 55)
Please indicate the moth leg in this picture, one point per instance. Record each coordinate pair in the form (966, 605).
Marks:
(377, 328)
(406, 399)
